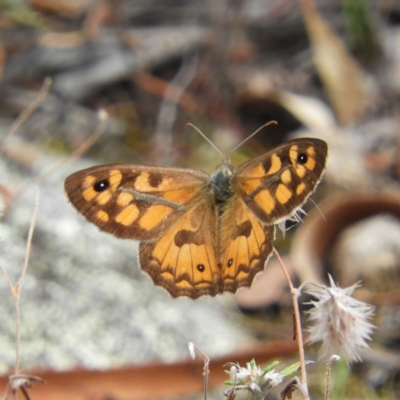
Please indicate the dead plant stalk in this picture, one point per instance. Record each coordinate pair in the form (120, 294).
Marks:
(18, 380)
(299, 336)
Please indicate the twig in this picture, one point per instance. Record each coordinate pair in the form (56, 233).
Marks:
(26, 113)
(297, 322)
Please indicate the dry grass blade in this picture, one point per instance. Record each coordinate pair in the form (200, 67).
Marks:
(339, 72)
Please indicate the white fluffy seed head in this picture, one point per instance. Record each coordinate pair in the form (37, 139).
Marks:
(339, 321)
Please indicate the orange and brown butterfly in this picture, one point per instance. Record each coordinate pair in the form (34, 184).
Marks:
(201, 234)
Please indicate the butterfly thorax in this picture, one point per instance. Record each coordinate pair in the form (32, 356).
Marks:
(221, 182)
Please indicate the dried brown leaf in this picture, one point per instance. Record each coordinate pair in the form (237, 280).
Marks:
(338, 70)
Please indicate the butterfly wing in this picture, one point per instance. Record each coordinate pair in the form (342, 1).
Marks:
(172, 212)
(134, 201)
(279, 182)
(246, 244)
(183, 259)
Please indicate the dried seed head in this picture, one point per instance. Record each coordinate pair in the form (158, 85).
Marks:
(339, 321)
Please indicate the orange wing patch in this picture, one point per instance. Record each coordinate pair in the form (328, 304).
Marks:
(286, 176)
(265, 200)
(276, 165)
(178, 196)
(283, 193)
(154, 215)
(103, 216)
(300, 188)
(310, 164)
(124, 198)
(128, 215)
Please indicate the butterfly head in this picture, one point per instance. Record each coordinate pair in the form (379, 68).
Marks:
(221, 180)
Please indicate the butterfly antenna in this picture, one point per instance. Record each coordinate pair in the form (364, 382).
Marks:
(205, 137)
(254, 133)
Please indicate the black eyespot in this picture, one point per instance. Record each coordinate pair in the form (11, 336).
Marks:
(230, 262)
(201, 267)
(101, 186)
(302, 158)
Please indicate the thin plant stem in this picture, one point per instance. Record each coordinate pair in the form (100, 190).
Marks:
(328, 375)
(17, 288)
(102, 116)
(29, 241)
(18, 380)
(206, 361)
(17, 335)
(297, 321)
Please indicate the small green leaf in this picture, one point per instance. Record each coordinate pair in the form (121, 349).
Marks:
(270, 367)
(291, 369)
(252, 364)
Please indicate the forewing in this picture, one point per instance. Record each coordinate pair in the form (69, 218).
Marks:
(246, 244)
(183, 260)
(133, 201)
(278, 183)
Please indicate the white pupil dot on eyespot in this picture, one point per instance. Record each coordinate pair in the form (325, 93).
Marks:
(100, 186)
(302, 158)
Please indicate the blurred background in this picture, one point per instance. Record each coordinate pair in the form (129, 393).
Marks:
(322, 68)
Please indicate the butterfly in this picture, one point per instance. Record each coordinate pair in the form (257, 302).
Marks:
(201, 234)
